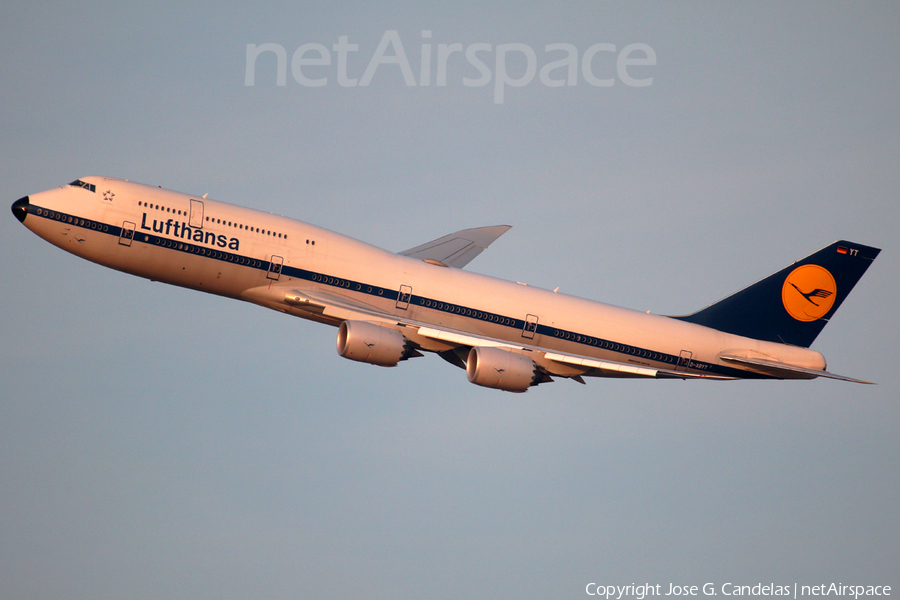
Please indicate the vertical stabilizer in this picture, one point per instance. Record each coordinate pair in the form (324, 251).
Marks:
(794, 304)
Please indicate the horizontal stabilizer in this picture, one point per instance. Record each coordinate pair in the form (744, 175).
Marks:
(785, 371)
(457, 249)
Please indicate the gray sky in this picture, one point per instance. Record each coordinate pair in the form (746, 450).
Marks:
(157, 442)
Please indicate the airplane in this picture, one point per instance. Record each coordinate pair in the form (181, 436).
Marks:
(391, 307)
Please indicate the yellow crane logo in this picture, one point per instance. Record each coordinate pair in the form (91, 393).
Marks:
(808, 292)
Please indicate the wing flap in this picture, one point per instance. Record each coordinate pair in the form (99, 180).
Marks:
(605, 368)
(461, 339)
(612, 368)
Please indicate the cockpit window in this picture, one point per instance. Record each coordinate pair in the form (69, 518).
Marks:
(82, 184)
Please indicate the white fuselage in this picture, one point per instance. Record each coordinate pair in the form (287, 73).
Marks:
(229, 250)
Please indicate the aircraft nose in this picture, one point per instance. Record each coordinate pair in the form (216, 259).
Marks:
(20, 208)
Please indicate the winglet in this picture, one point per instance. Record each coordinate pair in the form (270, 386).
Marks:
(457, 249)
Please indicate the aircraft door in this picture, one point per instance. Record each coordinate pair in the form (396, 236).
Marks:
(126, 235)
(275, 265)
(684, 361)
(530, 328)
(403, 297)
(196, 219)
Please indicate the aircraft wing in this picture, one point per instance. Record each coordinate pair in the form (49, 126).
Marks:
(450, 344)
(558, 364)
(457, 249)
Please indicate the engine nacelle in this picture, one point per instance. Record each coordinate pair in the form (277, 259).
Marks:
(502, 370)
(370, 343)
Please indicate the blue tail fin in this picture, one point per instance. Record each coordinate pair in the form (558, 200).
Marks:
(793, 305)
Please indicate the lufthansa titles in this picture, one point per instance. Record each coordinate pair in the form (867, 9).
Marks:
(182, 230)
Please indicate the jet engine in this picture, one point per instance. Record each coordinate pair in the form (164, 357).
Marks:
(502, 370)
(369, 343)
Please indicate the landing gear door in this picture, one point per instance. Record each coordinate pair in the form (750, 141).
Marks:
(275, 265)
(126, 235)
